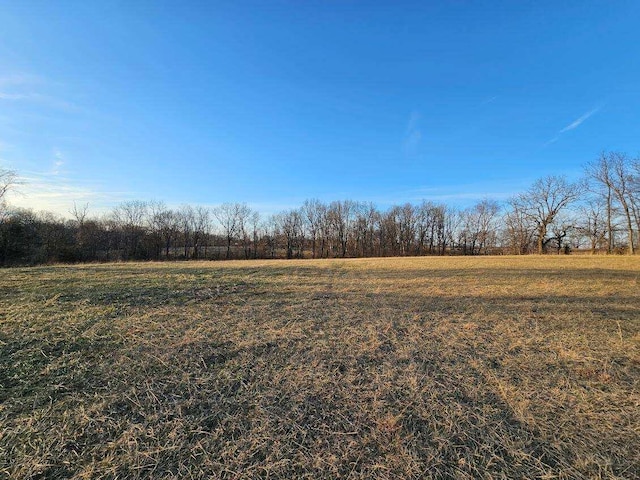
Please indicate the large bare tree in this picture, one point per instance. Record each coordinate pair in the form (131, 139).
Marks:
(542, 202)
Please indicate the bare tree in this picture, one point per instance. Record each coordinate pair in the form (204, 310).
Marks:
(244, 213)
(8, 179)
(290, 223)
(131, 218)
(561, 227)
(80, 216)
(367, 218)
(313, 211)
(186, 216)
(478, 226)
(407, 224)
(592, 224)
(388, 232)
(254, 222)
(341, 216)
(201, 230)
(166, 224)
(430, 223)
(612, 172)
(487, 214)
(540, 204)
(635, 193)
(231, 216)
(518, 230)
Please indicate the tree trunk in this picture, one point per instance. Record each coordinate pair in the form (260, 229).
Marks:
(609, 225)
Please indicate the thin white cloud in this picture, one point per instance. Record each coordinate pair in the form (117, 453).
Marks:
(19, 79)
(25, 87)
(576, 123)
(437, 195)
(456, 196)
(56, 194)
(14, 96)
(38, 98)
(489, 100)
(58, 162)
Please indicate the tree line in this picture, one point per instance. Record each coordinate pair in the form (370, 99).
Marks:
(599, 213)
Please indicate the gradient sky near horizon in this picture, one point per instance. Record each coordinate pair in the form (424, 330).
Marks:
(271, 103)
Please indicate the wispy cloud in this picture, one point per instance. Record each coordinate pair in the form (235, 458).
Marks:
(58, 161)
(39, 98)
(19, 79)
(576, 123)
(553, 140)
(56, 194)
(413, 135)
(14, 96)
(24, 87)
(489, 100)
(459, 196)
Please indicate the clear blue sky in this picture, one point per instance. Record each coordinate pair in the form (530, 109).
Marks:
(275, 102)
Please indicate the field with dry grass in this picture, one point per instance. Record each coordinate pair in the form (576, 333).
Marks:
(504, 367)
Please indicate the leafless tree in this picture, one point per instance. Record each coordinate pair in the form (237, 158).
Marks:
(635, 193)
(186, 216)
(542, 202)
(131, 218)
(407, 224)
(80, 215)
(166, 224)
(231, 216)
(244, 214)
(429, 223)
(313, 211)
(254, 222)
(8, 179)
(291, 225)
(612, 172)
(201, 230)
(228, 219)
(341, 216)
(367, 219)
(486, 212)
(594, 224)
(389, 232)
(478, 228)
(518, 230)
(561, 227)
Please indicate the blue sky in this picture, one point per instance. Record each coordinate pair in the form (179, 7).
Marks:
(271, 103)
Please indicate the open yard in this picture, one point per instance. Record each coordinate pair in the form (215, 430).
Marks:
(485, 367)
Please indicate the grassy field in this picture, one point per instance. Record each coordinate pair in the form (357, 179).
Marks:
(503, 367)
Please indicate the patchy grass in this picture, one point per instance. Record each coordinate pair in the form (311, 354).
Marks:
(507, 367)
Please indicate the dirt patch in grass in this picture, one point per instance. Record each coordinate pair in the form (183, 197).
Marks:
(502, 367)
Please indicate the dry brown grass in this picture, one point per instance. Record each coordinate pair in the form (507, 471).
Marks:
(509, 367)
